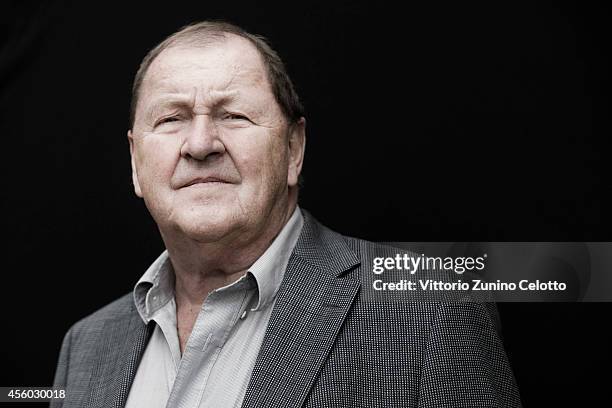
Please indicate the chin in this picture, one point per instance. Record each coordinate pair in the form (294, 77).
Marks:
(208, 225)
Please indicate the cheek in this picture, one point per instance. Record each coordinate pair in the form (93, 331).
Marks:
(263, 165)
(253, 146)
(158, 157)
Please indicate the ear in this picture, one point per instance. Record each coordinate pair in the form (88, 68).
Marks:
(297, 146)
(137, 190)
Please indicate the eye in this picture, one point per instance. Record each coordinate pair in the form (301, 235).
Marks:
(234, 116)
(168, 120)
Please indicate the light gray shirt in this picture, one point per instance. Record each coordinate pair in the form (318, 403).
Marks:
(219, 356)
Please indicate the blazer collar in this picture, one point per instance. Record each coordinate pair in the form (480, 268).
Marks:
(323, 248)
(315, 297)
(125, 340)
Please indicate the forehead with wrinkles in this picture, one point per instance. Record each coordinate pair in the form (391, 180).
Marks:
(224, 66)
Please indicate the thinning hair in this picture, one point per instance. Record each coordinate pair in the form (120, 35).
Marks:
(210, 32)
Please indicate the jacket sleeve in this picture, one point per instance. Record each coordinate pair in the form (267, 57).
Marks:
(61, 372)
(465, 364)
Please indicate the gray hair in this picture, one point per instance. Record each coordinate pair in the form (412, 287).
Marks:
(207, 32)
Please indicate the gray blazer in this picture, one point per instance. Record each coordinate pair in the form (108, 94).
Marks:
(325, 345)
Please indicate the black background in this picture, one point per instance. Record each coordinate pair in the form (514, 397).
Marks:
(450, 122)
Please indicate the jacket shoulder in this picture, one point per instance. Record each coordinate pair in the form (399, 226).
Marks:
(336, 244)
(119, 309)
(362, 246)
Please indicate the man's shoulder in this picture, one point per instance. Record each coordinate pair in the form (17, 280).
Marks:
(120, 309)
(379, 249)
(358, 246)
(428, 307)
(363, 250)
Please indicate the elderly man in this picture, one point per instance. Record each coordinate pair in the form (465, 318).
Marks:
(254, 303)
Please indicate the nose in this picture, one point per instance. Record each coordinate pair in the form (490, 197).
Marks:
(202, 141)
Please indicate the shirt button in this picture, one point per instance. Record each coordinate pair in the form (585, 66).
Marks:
(243, 315)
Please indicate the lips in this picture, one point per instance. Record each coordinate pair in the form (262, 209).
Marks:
(204, 180)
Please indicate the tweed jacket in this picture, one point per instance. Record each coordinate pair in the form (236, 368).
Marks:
(325, 344)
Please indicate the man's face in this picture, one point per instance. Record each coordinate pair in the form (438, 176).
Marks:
(212, 154)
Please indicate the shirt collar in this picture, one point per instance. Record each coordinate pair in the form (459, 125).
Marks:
(156, 286)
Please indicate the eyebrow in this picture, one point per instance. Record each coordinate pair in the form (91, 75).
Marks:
(181, 100)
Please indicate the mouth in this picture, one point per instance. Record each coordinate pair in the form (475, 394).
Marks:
(206, 181)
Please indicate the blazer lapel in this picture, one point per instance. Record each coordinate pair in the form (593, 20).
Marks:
(120, 350)
(310, 308)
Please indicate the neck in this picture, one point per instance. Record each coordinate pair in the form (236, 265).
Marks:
(200, 268)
